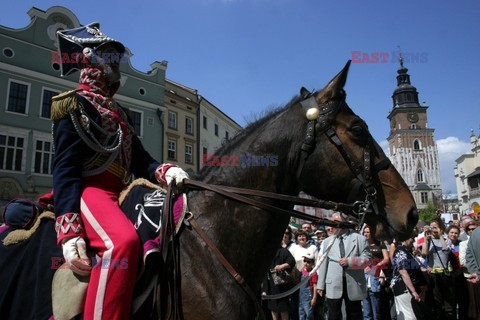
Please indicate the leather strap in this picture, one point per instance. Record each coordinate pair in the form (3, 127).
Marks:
(226, 191)
(238, 278)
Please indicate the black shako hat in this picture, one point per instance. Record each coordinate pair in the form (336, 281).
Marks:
(80, 42)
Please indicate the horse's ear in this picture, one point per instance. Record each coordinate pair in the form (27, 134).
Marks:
(334, 89)
(304, 92)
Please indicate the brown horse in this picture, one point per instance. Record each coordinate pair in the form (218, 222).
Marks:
(248, 237)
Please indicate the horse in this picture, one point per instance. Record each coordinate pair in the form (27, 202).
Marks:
(342, 157)
(319, 146)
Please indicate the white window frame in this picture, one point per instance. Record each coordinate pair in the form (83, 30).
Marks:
(174, 149)
(27, 103)
(422, 200)
(41, 100)
(186, 125)
(168, 120)
(140, 134)
(44, 137)
(191, 153)
(18, 133)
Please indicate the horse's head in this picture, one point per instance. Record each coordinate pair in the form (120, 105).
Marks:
(338, 143)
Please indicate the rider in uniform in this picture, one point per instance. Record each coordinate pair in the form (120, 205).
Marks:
(96, 153)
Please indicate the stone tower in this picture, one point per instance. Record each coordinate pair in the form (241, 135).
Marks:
(412, 146)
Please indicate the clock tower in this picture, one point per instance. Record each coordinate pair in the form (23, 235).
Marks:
(411, 143)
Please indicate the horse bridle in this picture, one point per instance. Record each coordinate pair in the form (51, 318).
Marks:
(318, 116)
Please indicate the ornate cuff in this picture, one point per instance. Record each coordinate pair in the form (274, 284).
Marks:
(161, 171)
(69, 225)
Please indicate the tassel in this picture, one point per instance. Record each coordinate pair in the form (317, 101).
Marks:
(63, 104)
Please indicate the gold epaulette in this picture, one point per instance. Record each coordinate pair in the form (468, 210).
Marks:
(63, 104)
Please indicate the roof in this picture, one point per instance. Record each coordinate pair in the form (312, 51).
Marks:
(422, 186)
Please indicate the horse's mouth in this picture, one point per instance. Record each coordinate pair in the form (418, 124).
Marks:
(383, 229)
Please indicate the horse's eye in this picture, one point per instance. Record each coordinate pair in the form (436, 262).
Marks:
(357, 130)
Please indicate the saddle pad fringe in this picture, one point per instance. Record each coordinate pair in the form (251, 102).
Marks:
(138, 182)
(19, 235)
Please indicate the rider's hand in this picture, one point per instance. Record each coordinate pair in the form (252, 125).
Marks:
(176, 173)
(75, 253)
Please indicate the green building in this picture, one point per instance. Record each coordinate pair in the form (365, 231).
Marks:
(29, 77)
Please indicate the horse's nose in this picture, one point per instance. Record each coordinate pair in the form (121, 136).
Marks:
(412, 218)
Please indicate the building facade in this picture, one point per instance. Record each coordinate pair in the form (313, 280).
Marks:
(412, 146)
(467, 178)
(29, 77)
(215, 127)
(181, 124)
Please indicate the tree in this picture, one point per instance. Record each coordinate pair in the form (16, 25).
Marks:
(429, 213)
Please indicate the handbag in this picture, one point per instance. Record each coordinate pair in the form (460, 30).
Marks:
(283, 277)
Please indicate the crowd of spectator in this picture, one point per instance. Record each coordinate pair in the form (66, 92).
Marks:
(432, 275)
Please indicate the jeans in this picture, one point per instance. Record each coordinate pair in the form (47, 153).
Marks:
(305, 309)
(371, 306)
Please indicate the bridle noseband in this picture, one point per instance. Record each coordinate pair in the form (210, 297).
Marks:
(318, 120)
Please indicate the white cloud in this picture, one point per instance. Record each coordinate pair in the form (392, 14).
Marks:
(449, 149)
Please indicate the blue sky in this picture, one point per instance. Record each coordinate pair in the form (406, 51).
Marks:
(247, 55)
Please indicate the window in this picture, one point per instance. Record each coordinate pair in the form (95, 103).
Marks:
(188, 153)
(204, 122)
(172, 120)
(11, 152)
(136, 117)
(420, 175)
(205, 150)
(188, 125)
(216, 129)
(43, 157)
(47, 102)
(172, 150)
(226, 135)
(17, 97)
(416, 145)
(424, 197)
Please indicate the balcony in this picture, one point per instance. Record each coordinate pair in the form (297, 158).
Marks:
(475, 192)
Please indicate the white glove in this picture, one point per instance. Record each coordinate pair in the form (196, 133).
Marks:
(176, 173)
(75, 252)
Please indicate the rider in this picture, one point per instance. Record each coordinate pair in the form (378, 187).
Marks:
(96, 153)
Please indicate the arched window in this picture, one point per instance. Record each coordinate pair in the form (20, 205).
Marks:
(416, 145)
(419, 175)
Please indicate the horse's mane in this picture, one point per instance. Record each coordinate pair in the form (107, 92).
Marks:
(241, 135)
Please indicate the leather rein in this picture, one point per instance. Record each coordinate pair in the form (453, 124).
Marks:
(357, 209)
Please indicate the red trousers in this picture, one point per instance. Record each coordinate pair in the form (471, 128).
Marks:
(111, 236)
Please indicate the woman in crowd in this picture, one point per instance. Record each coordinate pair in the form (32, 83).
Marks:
(380, 259)
(460, 289)
(407, 282)
(287, 241)
(437, 249)
(280, 308)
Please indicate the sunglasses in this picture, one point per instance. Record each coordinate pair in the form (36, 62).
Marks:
(308, 261)
(470, 229)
